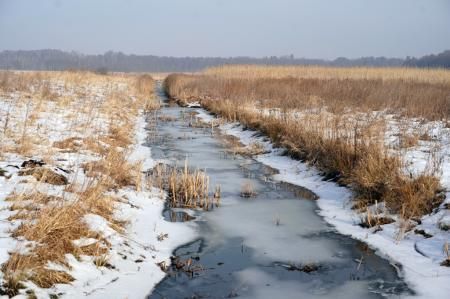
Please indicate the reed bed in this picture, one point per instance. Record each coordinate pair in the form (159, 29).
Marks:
(398, 96)
(330, 118)
(324, 72)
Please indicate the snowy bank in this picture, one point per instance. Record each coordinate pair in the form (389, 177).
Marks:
(65, 134)
(136, 253)
(416, 257)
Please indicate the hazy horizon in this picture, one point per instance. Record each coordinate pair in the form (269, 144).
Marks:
(323, 29)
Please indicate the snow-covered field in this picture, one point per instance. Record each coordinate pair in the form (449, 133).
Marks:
(127, 266)
(417, 258)
(134, 254)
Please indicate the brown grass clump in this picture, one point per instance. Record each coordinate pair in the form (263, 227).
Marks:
(72, 144)
(95, 145)
(144, 86)
(45, 175)
(418, 196)
(369, 221)
(252, 149)
(114, 171)
(28, 268)
(54, 229)
(119, 136)
(46, 278)
(36, 197)
(349, 149)
(407, 141)
(187, 188)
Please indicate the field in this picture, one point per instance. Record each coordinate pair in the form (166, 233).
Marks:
(382, 133)
(82, 202)
(72, 182)
(354, 125)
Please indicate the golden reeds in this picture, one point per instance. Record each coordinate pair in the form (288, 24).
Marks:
(187, 188)
(327, 117)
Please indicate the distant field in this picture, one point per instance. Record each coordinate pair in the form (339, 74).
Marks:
(405, 92)
(320, 72)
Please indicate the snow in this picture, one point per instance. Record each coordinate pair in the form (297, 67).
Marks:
(84, 242)
(134, 253)
(419, 258)
(193, 105)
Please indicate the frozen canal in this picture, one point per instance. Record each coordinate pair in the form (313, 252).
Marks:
(273, 245)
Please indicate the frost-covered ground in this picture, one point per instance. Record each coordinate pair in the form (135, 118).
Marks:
(134, 254)
(417, 258)
(130, 267)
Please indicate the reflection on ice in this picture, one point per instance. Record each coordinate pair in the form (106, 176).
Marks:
(255, 283)
(276, 230)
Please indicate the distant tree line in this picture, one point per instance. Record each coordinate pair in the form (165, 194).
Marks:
(117, 61)
(441, 60)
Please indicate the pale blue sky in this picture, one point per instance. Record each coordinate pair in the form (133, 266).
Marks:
(305, 28)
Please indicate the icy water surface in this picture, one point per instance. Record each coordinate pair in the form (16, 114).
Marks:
(271, 246)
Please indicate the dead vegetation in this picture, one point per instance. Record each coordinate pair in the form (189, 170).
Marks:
(247, 190)
(235, 147)
(99, 114)
(187, 188)
(335, 90)
(114, 171)
(45, 175)
(446, 250)
(321, 72)
(253, 149)
(189, 266)
(333, 119)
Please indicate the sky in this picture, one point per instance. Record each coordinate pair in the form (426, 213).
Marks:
(305, 28)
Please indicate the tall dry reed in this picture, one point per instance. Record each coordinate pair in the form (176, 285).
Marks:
(309, 126)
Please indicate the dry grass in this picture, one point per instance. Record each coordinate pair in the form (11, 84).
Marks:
(334, 95)
(325, 116)
(45, 175)
(319, 72)
(407, 141)
(252, 149)
(144, 86)
(114, 171)
(102, 127)
(187, 188)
